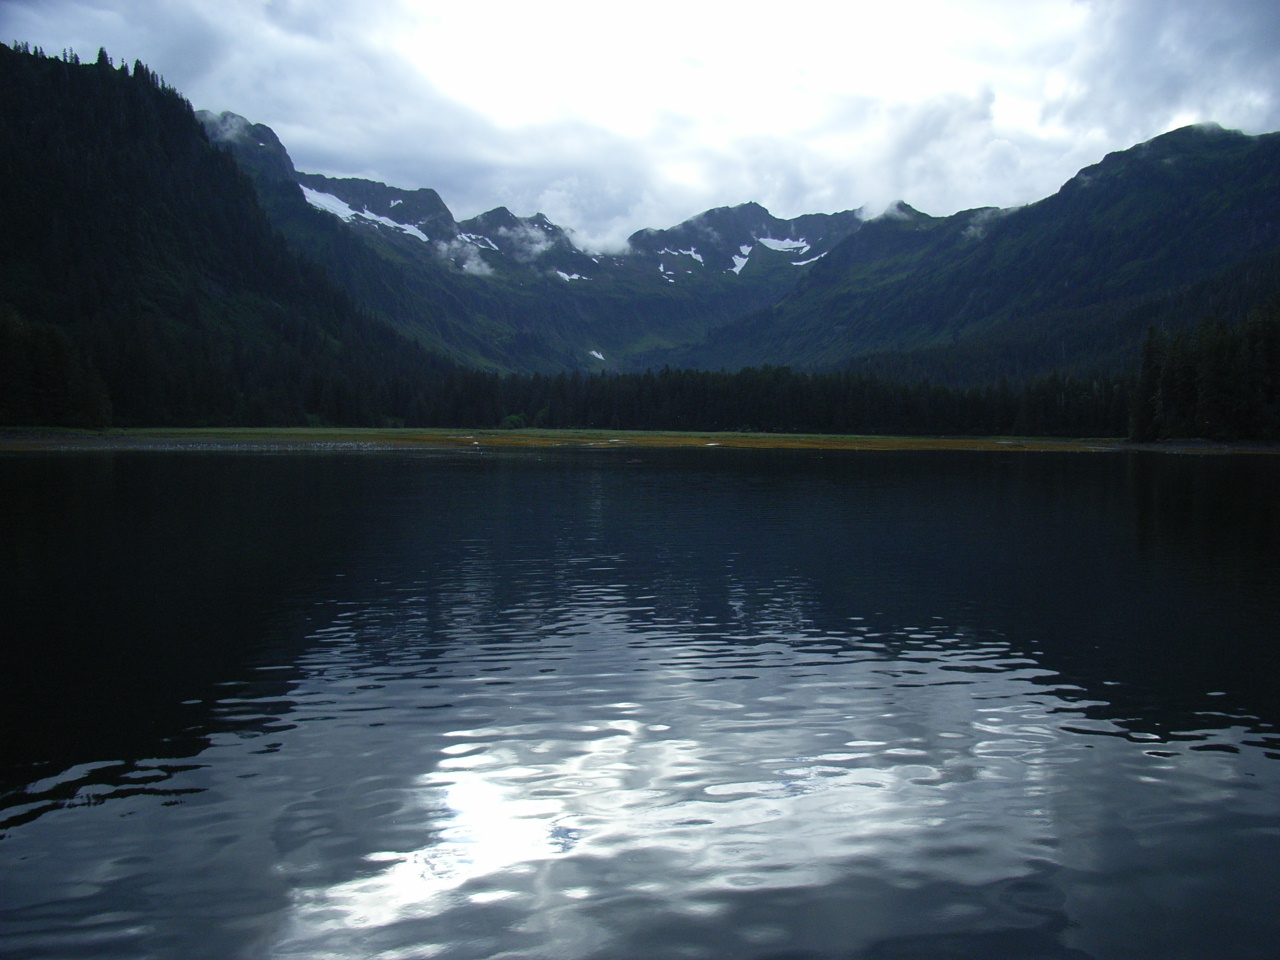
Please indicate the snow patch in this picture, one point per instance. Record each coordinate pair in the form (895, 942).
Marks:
(408, 228)
(331, 204)
(396, 202)
(478, 240)
(691, 252)
(328, 202)
(805, 263)
(787, 246)
(597, 354)
(740, 262)
(572, 276)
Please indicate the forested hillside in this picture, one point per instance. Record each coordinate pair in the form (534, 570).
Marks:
(141, 282)
(1172, 230)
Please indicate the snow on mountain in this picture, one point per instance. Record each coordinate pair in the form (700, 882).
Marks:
(478, 240)
(805, 263)
(720, 240)
(786, 246)
(691, 252)
(331, 204)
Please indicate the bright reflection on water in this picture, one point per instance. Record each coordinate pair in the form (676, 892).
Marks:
(571, 709)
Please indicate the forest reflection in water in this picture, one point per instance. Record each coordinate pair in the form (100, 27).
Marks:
(708, 703)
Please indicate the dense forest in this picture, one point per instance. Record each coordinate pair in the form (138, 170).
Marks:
(141, 283)
(1212, 381)
(778, 399)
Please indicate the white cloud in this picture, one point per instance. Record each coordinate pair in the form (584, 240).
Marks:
(543, 106)
(1150, 67)
(465, 254)
(528, 241)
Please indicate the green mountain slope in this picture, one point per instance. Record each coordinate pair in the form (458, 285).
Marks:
(1187, 222)
(510, 293)
(140, 280)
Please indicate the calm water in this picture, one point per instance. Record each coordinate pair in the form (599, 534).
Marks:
(627, 704)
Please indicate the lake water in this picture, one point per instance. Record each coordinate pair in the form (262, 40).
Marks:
(623, 703)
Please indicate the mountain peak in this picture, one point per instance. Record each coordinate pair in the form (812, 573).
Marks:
(490, 222)
(724, 238)
(225, 127)
(901, 210)
(1204, 142)
(254, 145)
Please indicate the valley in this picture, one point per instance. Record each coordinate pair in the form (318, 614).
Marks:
(172, 267)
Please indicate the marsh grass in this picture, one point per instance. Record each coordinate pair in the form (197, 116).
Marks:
(320, 438)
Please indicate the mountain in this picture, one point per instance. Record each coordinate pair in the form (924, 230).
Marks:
(142, 283)
(746, 238)
(1163, 233)
(1184, 225)
(511, 293)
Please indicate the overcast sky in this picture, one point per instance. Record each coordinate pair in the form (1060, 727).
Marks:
(610, 118)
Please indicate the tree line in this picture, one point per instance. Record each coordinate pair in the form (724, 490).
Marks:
(1213, 381)
(782, 400)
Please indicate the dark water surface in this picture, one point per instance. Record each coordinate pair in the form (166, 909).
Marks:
(625, 704)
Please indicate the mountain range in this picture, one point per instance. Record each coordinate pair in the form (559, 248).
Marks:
(176, 267)
(1179, 227)
(537, 301)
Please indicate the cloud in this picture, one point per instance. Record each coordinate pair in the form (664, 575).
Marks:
(466, 256)
(1148, 67)
(528, 242)
(175, 39)
(943, 105)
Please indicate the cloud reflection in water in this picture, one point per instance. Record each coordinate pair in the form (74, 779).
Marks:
(622, 784)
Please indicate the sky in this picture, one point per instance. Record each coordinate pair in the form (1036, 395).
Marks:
(609, 118)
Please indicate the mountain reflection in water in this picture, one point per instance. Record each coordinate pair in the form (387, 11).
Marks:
(711, 704)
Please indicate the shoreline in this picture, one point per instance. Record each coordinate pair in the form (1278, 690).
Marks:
(301, 439)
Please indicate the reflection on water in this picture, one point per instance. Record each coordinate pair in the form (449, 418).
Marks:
(576, 707)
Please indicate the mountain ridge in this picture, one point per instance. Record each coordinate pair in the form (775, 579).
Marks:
(1120, 241)
(1066, 281)
(545, 304)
